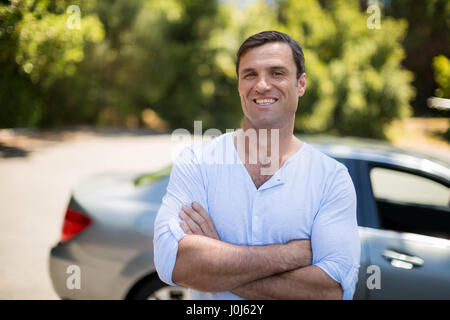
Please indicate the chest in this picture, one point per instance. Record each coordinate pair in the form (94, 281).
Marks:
(254, 170)
(246, 216)
(276, 213)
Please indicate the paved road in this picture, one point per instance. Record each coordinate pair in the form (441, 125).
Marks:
(35, 186)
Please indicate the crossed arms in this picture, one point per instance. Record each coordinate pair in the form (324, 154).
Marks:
(278, 271)
(193, 255)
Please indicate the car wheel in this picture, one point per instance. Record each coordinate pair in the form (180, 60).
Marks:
(154, 289)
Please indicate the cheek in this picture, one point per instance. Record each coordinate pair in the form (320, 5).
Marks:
(294, 91)
(292, 97)
(243, 89)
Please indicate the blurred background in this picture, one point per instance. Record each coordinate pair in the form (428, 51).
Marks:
(80, 80)
(161, 64)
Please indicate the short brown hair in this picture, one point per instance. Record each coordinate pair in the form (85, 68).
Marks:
(264, 37)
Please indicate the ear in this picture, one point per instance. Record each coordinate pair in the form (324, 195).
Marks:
(301, 85)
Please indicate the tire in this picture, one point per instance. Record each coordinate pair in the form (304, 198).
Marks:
(152, 288)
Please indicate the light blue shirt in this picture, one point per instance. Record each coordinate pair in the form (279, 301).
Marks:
(310, 197)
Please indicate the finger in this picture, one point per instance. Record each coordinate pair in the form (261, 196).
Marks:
(201, 222)
(195, 228)
(197, 218)
(186, 228)
(204, 214)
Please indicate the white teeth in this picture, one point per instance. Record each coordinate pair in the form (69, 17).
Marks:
(265, 101)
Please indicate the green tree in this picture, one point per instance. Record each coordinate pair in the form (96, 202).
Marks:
(177, 58)
(36, 50)
(93, 95)
(168, 67)
(356, 85)
(156, 55)
(441, 66)
(428, 35)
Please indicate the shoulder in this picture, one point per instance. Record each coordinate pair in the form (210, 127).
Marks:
(205, 152)
(321, 162)
(329, 175)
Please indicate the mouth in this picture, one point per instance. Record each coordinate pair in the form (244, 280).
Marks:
(263, 102)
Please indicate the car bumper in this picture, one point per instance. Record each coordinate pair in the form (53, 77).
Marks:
(77, 279)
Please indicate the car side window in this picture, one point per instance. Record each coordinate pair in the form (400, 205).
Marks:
(408, 188)
(409, 202)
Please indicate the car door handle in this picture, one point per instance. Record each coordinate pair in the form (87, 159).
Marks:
(402, 260)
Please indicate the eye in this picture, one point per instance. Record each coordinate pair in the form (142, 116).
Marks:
(249, 75)
(277, 73)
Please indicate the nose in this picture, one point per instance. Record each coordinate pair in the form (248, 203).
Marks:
(262, 85)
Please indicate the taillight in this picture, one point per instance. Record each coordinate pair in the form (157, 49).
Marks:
(74, 223)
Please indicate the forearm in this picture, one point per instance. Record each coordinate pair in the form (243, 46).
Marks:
(212, 265)
(308, 283)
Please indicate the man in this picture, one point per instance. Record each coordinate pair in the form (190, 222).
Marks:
(277, 223)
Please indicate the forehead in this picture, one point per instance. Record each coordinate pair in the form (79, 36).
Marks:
(268, 55)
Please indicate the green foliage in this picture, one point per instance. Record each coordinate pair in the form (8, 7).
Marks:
(177, 58)
(36, 50)
(441, 66)
(356, 85)
(153, 176)
(172, 66)
(428, 36)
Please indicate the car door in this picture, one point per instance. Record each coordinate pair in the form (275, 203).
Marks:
(361, 292)
(408, 242)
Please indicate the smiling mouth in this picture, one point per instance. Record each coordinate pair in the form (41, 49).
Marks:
(265, 102)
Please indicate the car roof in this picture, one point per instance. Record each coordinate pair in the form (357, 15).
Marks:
(380, 152)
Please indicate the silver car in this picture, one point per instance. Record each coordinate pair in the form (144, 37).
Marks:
(106, 248)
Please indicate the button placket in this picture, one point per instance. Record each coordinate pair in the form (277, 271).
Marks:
(257, 230)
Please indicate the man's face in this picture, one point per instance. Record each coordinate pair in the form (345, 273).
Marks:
(268, 85)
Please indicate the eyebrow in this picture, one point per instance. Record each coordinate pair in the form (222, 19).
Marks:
(279, 68)
(246, 70)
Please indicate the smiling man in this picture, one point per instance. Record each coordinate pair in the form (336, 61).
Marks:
(235, 230)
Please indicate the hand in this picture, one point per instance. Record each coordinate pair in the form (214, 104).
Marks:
(196, 220)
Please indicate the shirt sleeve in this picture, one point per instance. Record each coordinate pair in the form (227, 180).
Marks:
(334, 238)
(185, 186)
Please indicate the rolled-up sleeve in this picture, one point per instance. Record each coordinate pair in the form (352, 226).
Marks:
(334, 237)
(185, 186)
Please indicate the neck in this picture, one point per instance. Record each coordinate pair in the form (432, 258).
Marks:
(280, 137)
(266, 146)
